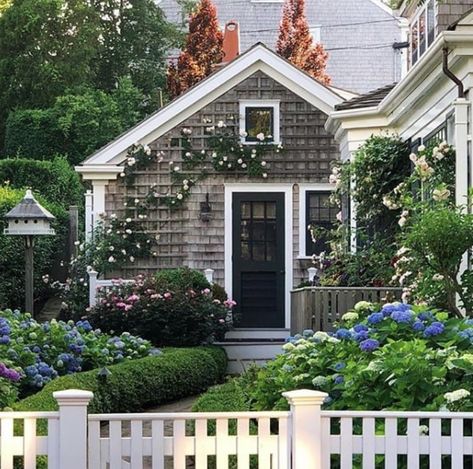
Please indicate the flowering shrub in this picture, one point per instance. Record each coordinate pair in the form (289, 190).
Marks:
(163, 311)
(32, 354)
(392, 357)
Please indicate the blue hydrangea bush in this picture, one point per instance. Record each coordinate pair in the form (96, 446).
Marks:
(32, 354)
(395, 356)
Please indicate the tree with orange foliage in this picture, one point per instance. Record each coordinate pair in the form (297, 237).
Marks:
(202, 50)
(296, 44)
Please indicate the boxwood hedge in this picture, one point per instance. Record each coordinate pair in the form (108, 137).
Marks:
(139, 384)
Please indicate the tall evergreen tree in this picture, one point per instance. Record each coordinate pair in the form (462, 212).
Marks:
(202, 50)
(296, 44)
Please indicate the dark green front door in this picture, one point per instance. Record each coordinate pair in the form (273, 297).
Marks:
(258, 259)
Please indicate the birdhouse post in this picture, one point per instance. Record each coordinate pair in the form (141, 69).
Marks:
(29, 219)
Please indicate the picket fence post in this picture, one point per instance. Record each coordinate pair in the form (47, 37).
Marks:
(89, 221)
(73, 427)
(92, 288)
(306, 427)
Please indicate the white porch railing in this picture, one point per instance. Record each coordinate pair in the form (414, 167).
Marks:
(95, 284)
(303, 438)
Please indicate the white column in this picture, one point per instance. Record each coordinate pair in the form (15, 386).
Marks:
(306, 428)
(461, 149)
(353, 209)
(89, 224)
(92, 288)
(99, 199)
(73, 427)
(462, 107)
(404, 28)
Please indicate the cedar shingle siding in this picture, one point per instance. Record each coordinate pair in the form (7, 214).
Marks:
(183, 237)
(449, 11)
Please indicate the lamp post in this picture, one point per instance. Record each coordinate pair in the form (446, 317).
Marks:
(29, 219)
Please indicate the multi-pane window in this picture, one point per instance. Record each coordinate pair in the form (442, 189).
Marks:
(259, 121)
(320, 213)
(258, 231)
(422, 30)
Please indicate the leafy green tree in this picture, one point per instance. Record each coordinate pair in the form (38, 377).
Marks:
(76, 125)
(49, 48)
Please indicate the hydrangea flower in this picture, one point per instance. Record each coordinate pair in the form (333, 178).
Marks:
(402, 317)
(360, 328)
(339, 366)
(369, 345)
(457, 395)
(434, 329)
(343, 334)
(339, 379)
(375, 318)
(361, 336)
(418, 326)
(350, 317)
(319, 381)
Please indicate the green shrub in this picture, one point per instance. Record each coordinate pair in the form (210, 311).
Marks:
(55, 180)
(227, 397)
(398, 357)
(139, 384)
(47, 249)
(184, 314)
(182, 278)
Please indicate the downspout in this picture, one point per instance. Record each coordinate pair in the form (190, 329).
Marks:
(451, 75)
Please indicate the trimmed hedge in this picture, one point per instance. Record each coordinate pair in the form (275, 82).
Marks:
(227, 397)
(139, 384)
(55, 180)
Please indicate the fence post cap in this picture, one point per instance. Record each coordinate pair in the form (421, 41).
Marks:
(305, 397)
(92, 273)
(209, 270)
(73, 397)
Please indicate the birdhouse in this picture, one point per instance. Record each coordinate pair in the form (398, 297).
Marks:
(29, 218)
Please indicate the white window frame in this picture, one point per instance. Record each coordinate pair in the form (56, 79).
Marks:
(316, 32)
(286, 189)
(273, 103)
(423, 10)
(303, 189)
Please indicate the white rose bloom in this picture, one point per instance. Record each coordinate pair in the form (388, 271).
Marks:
(263, 163)
(260, 136)
(111, 259)
(179, 196)
(438, 277)
(421, 148)
(243, 134)
(402, 221)
(220, 124)
(132, 259)
(188, 154)
(265, 175)
(147, 150)
(239, 161)
(441, 194)
(243, 165)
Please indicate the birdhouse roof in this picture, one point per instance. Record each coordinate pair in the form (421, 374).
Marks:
(29, 208)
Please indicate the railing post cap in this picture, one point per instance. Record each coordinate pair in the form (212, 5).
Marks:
(92, 273)
(208, 270)
(305, 397)
(73, 397)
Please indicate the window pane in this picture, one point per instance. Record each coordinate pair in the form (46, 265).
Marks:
(259, 120)
(258, 209)
(320, 214)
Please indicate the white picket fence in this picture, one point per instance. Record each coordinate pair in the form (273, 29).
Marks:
(303, 438)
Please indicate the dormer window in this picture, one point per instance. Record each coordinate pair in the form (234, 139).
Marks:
(259, 121)
(422, 31)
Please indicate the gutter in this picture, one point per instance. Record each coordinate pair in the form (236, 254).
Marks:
(450, 74)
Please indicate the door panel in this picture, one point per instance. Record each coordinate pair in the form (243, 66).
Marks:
(258, 259)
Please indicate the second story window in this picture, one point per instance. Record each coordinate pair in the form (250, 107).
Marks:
(259, 120)
(422, 30)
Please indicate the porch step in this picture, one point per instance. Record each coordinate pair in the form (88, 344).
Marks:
(241, 354)
(258, 334)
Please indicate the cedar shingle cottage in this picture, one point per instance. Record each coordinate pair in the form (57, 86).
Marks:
(256, 238)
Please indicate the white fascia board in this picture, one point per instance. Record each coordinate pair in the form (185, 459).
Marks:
(258, 58)
(385, 8)
(99, 172)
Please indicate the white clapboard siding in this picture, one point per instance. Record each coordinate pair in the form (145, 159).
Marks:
(18, 437)
(157, 436)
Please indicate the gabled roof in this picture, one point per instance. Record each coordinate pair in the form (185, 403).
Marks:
(29, 208)
(371, 99)
(258, 58)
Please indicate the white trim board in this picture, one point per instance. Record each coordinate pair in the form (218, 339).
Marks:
(286, 189)
(258, 58)
(303, 188)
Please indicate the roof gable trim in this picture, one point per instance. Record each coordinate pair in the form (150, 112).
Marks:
(256, 59)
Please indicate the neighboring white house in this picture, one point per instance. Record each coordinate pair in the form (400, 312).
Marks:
(358, 35)
(434, 99)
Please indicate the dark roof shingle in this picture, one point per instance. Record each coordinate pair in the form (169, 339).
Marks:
(370, 99)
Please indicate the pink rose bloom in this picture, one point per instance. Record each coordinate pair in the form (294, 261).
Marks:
(121, 305)
(229, 303)
(206, 291)
(128, 307)
(133, 298)
(155, 296)
(167, 295)
(192, 293)
(217, 302)
(221, 321)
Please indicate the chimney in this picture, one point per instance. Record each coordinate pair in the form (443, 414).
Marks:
(231, 42)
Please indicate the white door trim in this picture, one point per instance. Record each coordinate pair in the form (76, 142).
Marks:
(286, 189)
